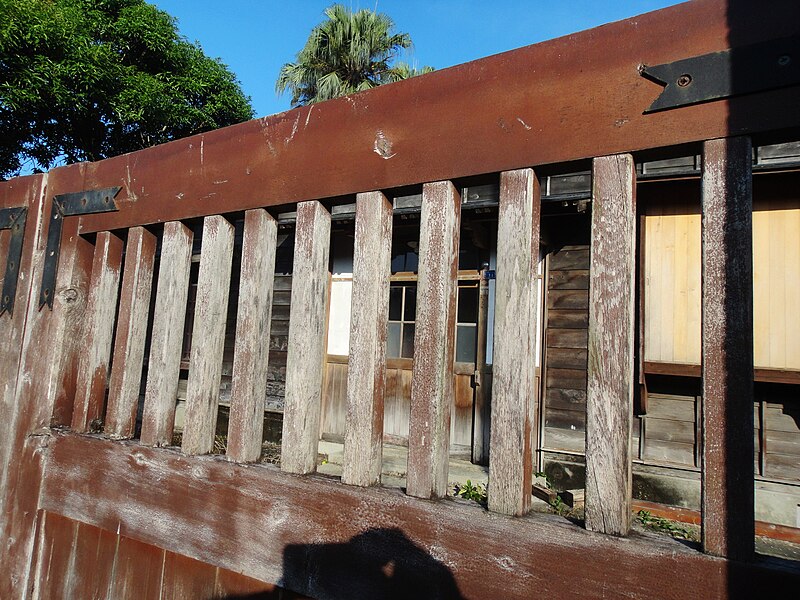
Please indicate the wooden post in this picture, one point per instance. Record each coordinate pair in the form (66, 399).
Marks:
(366, 375)
(163, 372)
(481, 413)
(727, 466)
(307, 329)
(208, 336)
(251, 354)
(609, 396)
(434, 341)
(101, 311)
(514, 369)
(126, 372)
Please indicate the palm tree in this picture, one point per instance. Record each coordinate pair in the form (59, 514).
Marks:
(348, 52)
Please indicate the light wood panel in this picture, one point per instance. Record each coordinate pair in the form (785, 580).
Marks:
(673, 275)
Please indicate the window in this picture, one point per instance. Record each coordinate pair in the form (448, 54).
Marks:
(402, 315)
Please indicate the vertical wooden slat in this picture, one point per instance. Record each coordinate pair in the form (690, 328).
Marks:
(307, 329)
(727, 472)
(609, 398)
(126, 372)
(163, 370)
(366, 376)
(513, 391)
(251, 354)
(208, 336)
(434, 341)
(101, 310)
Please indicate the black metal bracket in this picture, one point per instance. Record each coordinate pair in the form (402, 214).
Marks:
(68, 205)
(13, 219)
(757, 68)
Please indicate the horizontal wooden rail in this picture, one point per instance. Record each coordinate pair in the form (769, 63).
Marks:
(215, 521)
(510, 108)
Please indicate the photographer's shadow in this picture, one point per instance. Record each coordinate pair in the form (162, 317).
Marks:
(379, 564)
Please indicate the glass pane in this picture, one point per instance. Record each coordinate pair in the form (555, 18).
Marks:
(395, 303)
(465, 343)
(393, 341)
(467, 304)
(408, 341)
(410, 312)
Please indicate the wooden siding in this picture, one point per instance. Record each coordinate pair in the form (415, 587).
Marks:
(566, 339)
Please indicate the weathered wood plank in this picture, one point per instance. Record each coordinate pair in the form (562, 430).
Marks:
(481, 415)
(434, 341)
(567, 338)
(568, 299)
(366, 375)
(45, 345)
(163, 370)
(126, 371)
(727, 466)
(191, 506)
(567, 358)
(307, 329)
(568, 319)
(251, 358)
(569, 280)
(101, 311)
(569, 258)
(612, 309)
(208, 336)
(515, 333)
(138, 570)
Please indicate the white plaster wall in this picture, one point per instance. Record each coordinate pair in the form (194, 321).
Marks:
(339, 320)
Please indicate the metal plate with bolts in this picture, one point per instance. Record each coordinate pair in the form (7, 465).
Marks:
(14, 220)
(734, 72)
(68, 205)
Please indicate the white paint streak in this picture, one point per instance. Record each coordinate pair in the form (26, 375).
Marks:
(308, 116)
(294, 130)
(524, 124)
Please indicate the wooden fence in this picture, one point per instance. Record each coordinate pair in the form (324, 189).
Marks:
(89, 511)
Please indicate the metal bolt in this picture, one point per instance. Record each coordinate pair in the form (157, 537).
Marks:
(684, 80)
(784, 60)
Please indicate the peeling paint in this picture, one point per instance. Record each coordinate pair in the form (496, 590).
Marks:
(383, 146)
(524, 124)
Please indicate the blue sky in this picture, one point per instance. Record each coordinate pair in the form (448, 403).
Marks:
(255, 37)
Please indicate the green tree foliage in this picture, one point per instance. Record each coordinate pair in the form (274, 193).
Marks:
(88, 79)
(348, 52)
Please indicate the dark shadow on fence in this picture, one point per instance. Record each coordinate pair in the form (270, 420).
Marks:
(379, 564)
